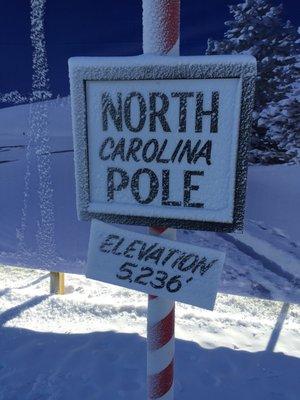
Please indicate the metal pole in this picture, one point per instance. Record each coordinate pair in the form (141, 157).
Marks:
(161, 27)
(57, 283)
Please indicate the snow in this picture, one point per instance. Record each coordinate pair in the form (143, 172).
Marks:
(75, 63)
(262, 263)
(90, 343)
(273, 197)
(12, 97)
(277, 255)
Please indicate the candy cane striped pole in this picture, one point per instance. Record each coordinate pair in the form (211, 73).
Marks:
(160, 340)
(161, 26)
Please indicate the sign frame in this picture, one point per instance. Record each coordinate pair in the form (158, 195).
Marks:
(83, 69)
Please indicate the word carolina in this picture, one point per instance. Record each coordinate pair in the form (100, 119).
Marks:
(136, 149)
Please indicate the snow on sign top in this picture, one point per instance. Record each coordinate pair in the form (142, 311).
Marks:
(162, 140)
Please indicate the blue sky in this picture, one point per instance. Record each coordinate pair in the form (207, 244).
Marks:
(98, 28)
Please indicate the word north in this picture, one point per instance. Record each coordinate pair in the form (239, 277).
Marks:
(134, 109)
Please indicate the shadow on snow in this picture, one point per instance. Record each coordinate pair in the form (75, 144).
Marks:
(112, 365)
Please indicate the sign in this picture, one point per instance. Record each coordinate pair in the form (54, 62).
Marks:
(162, 140)
(154, 265)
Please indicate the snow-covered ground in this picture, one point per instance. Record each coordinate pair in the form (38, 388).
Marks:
(90, 344)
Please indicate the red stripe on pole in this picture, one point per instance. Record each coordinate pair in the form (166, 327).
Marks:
(159, 384)
(162, 332)
(158, 229)
(171, 16)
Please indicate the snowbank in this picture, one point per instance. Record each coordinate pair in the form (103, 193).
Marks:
(90, 343)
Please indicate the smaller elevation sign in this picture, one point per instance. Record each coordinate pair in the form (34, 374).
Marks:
(161, 267)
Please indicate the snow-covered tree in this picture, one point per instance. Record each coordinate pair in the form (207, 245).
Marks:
(282, 123)
(258, 29)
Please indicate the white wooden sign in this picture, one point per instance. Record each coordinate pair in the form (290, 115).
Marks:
(154, 265)
(162, 140)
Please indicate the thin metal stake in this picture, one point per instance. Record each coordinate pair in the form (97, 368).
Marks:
(57, 283)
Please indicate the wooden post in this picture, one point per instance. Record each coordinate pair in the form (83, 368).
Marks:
(57, 283)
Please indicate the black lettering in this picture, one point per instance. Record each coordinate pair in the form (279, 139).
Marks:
(161, 150)
(170, 255)
(200, 264)
(134, 147)
(205, 152)
(114, 250)
(153, 185)
(144, 250)
(107, 243)
(188, 188)
(180, 257)
(166, 190)
(151, 157)
(174, 155)
(182, 264)
(114, 111)
(183, 96)
(127, 111)
(102, 148)
(160, 114)
(155, 255)
(139, 279)
(111, 185)
(207, 267)
(126, 268)
(119, 150)
(161, 277)
(188, 151)
(214, 112)
(131, 248)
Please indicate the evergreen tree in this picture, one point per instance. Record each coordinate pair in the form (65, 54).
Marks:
(258, 29)
(282, 123)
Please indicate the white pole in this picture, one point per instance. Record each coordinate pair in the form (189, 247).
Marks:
(161, 27)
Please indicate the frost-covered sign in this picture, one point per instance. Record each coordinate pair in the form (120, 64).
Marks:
(162, 140)
(161, 267)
